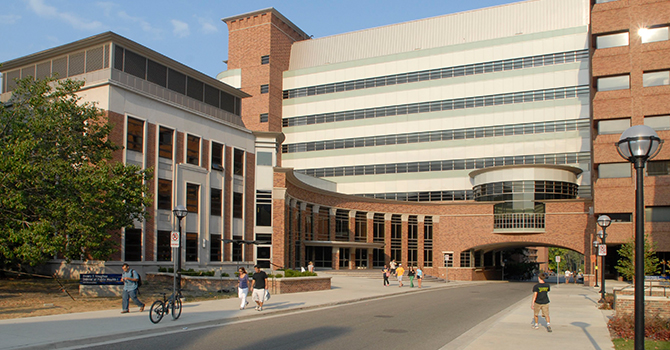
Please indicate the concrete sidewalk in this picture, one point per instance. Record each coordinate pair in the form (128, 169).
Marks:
(577, 323)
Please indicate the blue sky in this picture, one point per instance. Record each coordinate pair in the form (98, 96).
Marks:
(192, 32)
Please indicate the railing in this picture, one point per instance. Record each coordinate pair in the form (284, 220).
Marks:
(518, 221)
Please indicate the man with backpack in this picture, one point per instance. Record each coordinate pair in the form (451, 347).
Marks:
(131, 281)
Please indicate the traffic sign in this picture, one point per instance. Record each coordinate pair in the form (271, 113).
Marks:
(602, 250)
(558, 259)
(174, 240)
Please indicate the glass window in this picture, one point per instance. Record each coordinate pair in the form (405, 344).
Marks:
(656, 78)
(215, 202)
(265, 89)
(238, 162)
(193, 150)
(217, 156)
(613, 170)
(191, 246)
(657, 168)
(614, 83)
(265, 59)
(657, 214)
(133, 244)
(650, 35)
(264, 158)
(611, 40)
(615, 126)
(263, 214)
(164, 194)
(660, 122)
(163, 249)
(264, 118)
(165, 142)
(135, 135)
(237, 205)
(215, 252)
(192, 196)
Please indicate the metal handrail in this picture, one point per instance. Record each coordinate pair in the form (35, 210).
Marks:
(518, 221)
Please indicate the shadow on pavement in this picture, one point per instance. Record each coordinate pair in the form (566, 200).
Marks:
(583, 326)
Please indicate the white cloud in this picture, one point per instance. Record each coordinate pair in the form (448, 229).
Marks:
(106, 7)
(46, 11)
(146, 26)
(180, 29)
(206, 25)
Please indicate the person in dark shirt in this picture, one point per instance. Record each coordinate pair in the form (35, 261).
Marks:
(259, 284)
(541, 301)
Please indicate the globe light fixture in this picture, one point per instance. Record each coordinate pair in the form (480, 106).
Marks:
(604, 222)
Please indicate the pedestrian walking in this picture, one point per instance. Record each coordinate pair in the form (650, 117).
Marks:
(243, 287)
(399, 272)
(130, 279)
(540, 301)
(385, 275)
(393, 265)
(411, 273)
(310, 267)
(419, 276)
(567, 276)
(259, 285)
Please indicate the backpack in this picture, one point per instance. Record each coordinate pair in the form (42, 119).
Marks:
(139, 278)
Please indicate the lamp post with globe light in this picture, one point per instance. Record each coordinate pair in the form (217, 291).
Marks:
(595, 247)
(179, 212)
(603, 221)
(638, 144)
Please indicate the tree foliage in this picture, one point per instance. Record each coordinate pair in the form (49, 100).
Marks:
(60, 192)
(626, 265)
(570, 259)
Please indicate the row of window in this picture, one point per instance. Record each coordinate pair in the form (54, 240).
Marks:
(154, 72)
(485, 191)
(440, 135)
(616, 170)
(441, 73)
(647, 35)
(622, 82)
(442, 105)
(432, 196)
(447, 165)
(651, 214)
(135, 142)
(617, 126)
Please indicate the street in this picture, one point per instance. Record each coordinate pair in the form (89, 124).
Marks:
(426, 320)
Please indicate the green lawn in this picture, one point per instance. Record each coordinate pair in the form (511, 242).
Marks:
(623, 344)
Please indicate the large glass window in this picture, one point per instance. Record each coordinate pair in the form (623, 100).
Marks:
(238, 162)
(378, 226)
(217, 156)
(215, 251)
(163, 249)
(192, 198)
(342, 225)
(133, 244)
(659, 167)
(193, 150)
(164, 194)
(165, 142)
(412, 241)
(619, 82)
(614, 170)
(604, 41)
(650, 35)
(615, 126)
(216, 202)
(309, 223)
(657, 214)
(264, 158)
(135, 135)
(428, 242)
(191, 246)
(659, 122)
(361, 234)
(466, 258)
(323, 224)
(656, 78)
(396, 238)
(264, 208)
(238, 205)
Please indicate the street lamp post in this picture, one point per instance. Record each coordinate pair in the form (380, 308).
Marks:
(604, 221)
(595, 246)
(180, 212)
(638, 144)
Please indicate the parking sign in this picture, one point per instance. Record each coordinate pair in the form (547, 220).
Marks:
(174, 240)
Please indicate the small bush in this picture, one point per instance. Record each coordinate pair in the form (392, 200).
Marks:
(294, 273)
(655, 327)
(225, 274)
(164, 269)
(609, 302)
(191, 272)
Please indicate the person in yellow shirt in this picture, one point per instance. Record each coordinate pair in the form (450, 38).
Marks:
(399, 272)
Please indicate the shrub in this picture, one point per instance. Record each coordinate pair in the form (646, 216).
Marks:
(191, 272)
(609, 302)
(164, 269)
(656, 327)
(225, 274)
(294, 273)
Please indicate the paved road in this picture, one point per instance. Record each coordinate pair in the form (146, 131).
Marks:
(426, 320)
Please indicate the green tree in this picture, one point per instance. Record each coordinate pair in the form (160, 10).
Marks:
(570, 259)
(60, 192)
(626, 265)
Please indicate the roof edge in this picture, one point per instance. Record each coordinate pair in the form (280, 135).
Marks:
(274, 12)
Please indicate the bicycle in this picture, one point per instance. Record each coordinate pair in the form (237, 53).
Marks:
(162, 307)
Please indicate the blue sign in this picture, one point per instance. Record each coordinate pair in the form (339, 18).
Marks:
(96, 279)
(656, 278)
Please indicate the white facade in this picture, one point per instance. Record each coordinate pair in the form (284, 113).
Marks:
(489, 59)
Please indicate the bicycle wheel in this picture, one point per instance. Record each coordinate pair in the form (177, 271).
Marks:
(176, 308)
(156, 312)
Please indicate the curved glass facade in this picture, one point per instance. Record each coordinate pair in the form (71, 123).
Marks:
(513, 191)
